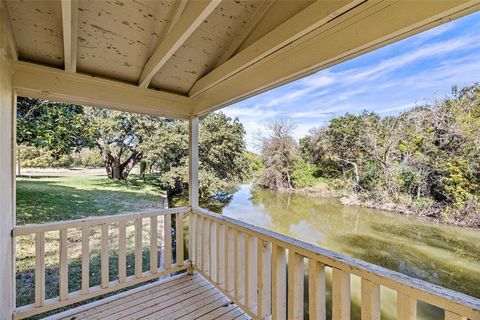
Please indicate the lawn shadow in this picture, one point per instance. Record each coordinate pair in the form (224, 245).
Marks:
(43, 201)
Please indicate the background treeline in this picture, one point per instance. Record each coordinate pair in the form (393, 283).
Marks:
(53, 134)
(424, 161)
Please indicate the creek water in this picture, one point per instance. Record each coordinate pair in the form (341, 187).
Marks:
(445, 255)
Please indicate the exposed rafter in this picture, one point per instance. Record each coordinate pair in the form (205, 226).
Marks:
(192, 17)
(364, 29)
(309, 19)
(175, 15)
(69, 23)
(245, 32)
(37, 81)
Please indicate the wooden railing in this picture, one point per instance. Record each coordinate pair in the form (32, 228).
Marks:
(106, 223)
(254, 267)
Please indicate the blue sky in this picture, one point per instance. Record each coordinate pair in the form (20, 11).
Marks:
(389, 80)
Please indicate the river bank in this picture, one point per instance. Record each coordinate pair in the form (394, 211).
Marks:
(425, 209)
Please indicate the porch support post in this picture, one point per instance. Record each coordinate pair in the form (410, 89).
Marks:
(7, 171)
(193, 162)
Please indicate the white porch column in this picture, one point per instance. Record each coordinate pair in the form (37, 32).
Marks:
(7, 172)
(193, 162)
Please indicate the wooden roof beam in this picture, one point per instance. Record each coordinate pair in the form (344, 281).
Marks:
(69, 25)
(260, 12)
(367, 27)
(307, 20)
(42, 82)
(189, 21)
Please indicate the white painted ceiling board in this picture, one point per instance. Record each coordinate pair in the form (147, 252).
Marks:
(37, 28)
(116, 38)
(199, 54)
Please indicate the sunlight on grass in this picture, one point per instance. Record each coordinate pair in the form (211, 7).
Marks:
(46, 199)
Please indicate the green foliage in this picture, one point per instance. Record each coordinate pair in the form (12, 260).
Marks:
(33, 157)
(303, 174)
(120, 136)
(88, 157)
(427, 157)
(254, 162)
(57, 127)
(221, 152)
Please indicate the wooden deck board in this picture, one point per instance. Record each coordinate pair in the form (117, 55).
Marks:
(186, 297)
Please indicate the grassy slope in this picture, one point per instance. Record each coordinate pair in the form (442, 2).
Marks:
(44, 199)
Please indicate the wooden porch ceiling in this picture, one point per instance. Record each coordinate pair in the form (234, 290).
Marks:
(180, 58)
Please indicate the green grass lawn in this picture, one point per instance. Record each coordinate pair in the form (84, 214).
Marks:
(46, 199)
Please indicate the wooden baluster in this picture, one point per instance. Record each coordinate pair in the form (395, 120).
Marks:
(161, 236)
(138, 248)
(229, 256)
(279, 283)
(63, 272)
(406, 307)
(250, 272)
(213, 251)
(85, 259)
(453, 316)
(206, 247)
(39, 269)
(199, 242)
(220, 249)
(340, 295)
(295, 285)
(192, 250)
(168, 241)
(154, 244)
(104, 256)
(316, 290)
(263, 280)
(179, 239)
(370, 300)
(267, 280)
(122, 251)
(236, 262)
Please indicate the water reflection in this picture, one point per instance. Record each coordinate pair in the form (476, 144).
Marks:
(445, 255)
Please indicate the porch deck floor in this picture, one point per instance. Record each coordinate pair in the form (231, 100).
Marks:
(187, 297)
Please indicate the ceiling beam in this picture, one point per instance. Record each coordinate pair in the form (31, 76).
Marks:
(70, 25)
(366, 28)
(315, 15)
(175, 15)
(42, 82)
(189, 21)
(259, 13)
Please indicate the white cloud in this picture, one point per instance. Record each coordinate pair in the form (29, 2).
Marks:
(387, 82)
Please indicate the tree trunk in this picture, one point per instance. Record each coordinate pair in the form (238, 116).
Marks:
(117, 170)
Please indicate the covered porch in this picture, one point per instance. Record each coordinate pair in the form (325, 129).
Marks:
(183, 60)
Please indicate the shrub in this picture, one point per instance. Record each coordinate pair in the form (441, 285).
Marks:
(32, 157)
(88, 158)
(303, 174)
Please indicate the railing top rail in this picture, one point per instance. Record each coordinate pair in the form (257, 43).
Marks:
(52, 226)
(420, 289)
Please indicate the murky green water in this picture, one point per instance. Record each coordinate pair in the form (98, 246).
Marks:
(445, 255)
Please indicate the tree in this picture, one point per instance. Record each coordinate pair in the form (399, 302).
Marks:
(425, 160)
(57, 127)
(119, 137)
(278, 150)
(221, 154)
